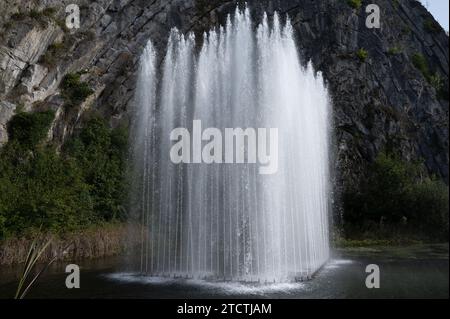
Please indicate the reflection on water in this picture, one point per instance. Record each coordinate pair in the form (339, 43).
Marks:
(406, 272)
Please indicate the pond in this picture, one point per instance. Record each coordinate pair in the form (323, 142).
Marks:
(420, 271)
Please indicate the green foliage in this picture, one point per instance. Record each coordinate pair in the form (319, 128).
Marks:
(435, 79)
(49, 12)
(35, 14)
(53, 53)
(431, 26)
(394, 50)
(362, 54)
(29, 129)
(394, 195)
(101, 154)
(429, 207)
(41, 188)
(62, 24)
(355, 4)
(421, 64)
(18, 16)
(74, 90)
(82, 185)
(41, 17)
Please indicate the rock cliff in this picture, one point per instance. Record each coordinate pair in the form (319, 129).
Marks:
(389, 86)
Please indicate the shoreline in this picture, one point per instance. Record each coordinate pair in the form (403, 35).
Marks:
(94, 242)
(113, 239)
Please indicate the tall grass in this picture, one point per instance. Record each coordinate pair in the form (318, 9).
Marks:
(34, 254)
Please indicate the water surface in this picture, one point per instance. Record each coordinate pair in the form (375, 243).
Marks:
(420, 271)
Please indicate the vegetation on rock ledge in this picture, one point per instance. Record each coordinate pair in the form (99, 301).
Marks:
(362, 54)
(355, 4)
(74, 90)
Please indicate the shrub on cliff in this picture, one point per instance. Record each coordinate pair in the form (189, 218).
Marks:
(421, 64)
(74, 90)
(355, 4)
(362, 54)
(29, 129)
(434, 79)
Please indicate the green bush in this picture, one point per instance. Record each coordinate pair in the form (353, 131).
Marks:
(428, 207)
(355, 4)
(362, 54)
(74, 90)
(42, 190)
(29, 129)
(395, 196)
(53, 53)
(60, 191)
(101, 154)
(421, 64)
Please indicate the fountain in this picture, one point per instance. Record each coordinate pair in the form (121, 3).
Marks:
(226, 221)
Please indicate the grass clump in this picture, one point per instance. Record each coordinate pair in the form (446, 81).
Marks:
(436, 81)
(28, 279)
(421, 64)
(362, 54)
(394, 50)
(355, 4)
(74, 90)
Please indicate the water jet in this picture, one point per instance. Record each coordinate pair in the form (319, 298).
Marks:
(228, 221)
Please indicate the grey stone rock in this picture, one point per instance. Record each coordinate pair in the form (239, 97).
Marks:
(378, 103)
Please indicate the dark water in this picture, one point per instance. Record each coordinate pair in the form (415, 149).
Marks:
(408, 272)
